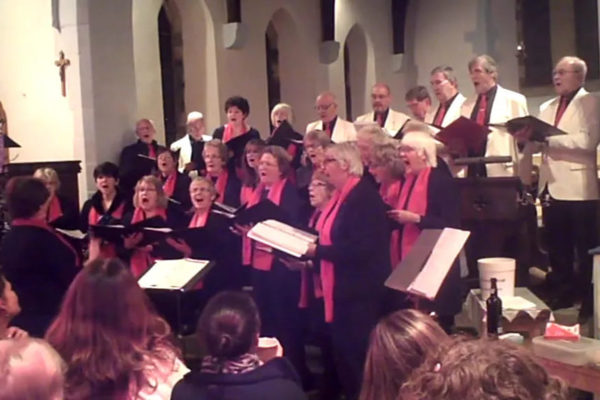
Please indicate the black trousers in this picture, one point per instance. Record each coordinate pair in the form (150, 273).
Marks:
(572, 230)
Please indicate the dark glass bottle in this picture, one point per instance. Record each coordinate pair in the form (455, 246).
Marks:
(494, 310)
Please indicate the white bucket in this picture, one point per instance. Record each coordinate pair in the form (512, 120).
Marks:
(503, 269)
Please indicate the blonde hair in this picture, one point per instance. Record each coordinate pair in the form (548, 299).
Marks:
(30, 369)
(347, 153)
(374, 133)
(386, 155)
(162, 199)
(220, 146)
(47, 175)
(283, 107)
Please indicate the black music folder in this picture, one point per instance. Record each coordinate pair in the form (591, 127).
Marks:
(284, 135)
(261, 211)
(540, 130)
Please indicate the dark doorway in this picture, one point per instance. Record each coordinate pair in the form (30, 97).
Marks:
(273, 78)
(347, 83)
(171, 65)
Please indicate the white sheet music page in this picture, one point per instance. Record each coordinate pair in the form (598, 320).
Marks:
(449, 244)
(171, 274)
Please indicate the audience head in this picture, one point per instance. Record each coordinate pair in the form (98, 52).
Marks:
(381, 97)
(569, 75)
(444, 83)
(342, 161)
(27, 197)
(166, 161)
(107, 332)
(9, 301)
(326, 106)
(274, 164)
(30, 369)
(106, 176)
(484, 73)
(418, 102)
(386, 165)
(215, 155)
(482, 370)
(50, 179)
(195, 125)
(229, 325)
(319, 190)
(252, 152)
(367, 138)
(281, 112)
(418, 148)
(202, 193)
(315, 143)
(149, 194)
(145, 131)
(399, 344)
(237, 109)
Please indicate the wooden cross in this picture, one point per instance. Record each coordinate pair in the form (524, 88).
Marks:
(62, 63)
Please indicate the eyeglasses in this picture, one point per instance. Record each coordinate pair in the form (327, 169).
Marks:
(323, 107)
(561, 72)
(328, 160)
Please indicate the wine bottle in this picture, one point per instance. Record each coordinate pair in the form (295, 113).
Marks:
(494, 310)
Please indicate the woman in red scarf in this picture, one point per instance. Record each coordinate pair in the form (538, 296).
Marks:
(251, 157)
(227, 185)
(236, 132)
(429, 199)
(62, 213)
(38, 262)
(354, 252)
(277, 288)
(387, 168)
(174, 183)
(150, 204)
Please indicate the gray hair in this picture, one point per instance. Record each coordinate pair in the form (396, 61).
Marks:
(285, 107)
(422, 142)
(448, 73)
(579, 66)
(487, 63)
(194, 116)
(374, 133)
(386, 155)
(321, 137)
(347, 153)
(220, 146)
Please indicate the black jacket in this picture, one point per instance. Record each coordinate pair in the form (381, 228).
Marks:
(132, 167)
(275, 380)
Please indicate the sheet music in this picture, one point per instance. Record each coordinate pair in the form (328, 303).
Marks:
(73, 233)
(449, 244)
(282, 237)
(171, 274)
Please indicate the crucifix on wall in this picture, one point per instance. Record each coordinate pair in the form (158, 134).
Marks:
(62, 63)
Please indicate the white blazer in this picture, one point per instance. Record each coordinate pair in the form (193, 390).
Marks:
(507, 105)
(451, 114)
(394, 121)
(184, 147)
(569, 161)
(342, 132)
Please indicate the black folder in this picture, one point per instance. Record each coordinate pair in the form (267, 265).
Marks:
(284, 135)
(116, 233)
(540, 130)
(259, 212)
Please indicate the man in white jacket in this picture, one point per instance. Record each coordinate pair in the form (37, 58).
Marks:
(190, 146)
(390, 120)
(338, 129)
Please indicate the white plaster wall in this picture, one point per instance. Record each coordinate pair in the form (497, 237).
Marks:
(146, 56)
(39, 118)
(453, 32)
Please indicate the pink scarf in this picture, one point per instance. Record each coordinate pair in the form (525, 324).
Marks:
(228, 133)
(390, 193)
(44, 225)
(141, 260)
(263, 260)
(325, 226)
(417, 203)
(221, 185)
(169, 185)
(54, 209)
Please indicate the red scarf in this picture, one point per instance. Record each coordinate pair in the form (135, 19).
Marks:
(107, 250)
(169, 185)
(324, 227)
(54, 209)
(228, 133)
(246, 194)
(199, 221)
(263, 260)
(44, 225)
(306, 274)
(141, 260)
(221, 185)
(415, 201)
(390, 193)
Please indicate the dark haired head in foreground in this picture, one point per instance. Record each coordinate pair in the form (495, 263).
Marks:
(482, 370)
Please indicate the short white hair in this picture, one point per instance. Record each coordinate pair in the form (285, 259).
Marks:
(374, 134)
(193, 116)
(286, 107)
(419, 138)
(579, 66)
(347, 153)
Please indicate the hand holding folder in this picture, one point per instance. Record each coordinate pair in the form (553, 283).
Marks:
(530, 128)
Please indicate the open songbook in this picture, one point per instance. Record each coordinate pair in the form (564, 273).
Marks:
(540, 130)
(259, 212)
(182, 274)
(426, 265)
(282, 237)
